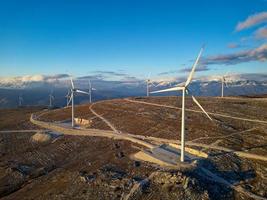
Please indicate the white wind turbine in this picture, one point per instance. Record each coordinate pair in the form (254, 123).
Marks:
(185, 91)
(148, 84)
(51, 99)
(224, 82)
(20, 100)
(90, 91)
(73, 91)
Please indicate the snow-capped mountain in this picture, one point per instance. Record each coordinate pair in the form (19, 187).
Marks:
(237, 84)
(35, 89)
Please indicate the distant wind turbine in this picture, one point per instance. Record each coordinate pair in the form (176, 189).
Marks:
(73, 91)
(185, 91)
(148, 84)
(90, 91)
(224, 82)
(20, 100)
(51, 99)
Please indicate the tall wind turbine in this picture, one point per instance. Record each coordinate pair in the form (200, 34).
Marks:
(224, 82)
(90, 91)
(51, 99)
(148, 84)
(73, 91)
(185, 91)
(20, 100)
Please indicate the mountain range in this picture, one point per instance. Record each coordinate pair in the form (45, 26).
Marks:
(35, 89)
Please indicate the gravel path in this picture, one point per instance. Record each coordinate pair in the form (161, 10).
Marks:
(146, 141)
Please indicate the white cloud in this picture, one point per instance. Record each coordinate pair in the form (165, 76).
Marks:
(34, 78)
(236, 77)
(256, 54)
(252, 20)
(233, 45)
(261, 33)
(236, 45)
(30, 80)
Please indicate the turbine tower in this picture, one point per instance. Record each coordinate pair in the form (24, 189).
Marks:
(51, 99)
(73, 91)
(224, 82)
(148, 84)
(20, 100)
(185, 91)
(90, 91)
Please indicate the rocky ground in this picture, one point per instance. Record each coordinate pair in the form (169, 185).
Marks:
(79, 167)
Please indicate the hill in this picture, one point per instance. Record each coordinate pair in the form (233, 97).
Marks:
(86, 166)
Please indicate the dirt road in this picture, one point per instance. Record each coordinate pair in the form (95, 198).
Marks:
(148, 142)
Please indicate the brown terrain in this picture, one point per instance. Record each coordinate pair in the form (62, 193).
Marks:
(38, 163)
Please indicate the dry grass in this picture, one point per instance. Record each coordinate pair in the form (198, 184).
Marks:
(52, 169)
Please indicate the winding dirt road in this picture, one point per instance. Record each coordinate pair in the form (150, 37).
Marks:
(208, 174)
(102, 118)
(149, 141)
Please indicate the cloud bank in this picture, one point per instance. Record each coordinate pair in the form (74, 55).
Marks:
(256, 54)
(62, 80)
(168, 72)
(34, 78)
(252, 20)
(261, 33)
(110, 75)
(200, 68)
(235, 45)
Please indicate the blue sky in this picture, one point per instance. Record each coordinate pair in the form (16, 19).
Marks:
(134, 37)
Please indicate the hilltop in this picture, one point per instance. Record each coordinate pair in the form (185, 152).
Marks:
(70, 165)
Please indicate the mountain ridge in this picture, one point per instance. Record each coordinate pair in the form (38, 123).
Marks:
(36, 92)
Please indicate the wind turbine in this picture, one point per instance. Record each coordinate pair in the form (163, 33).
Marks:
(90, 91)
(73, 91)
(224, 82)
(148, 84)
(185, 91)
(20, 100)
(51, 99)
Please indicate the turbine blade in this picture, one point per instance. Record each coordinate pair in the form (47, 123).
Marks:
(193, 68)
(168, 90)
(83, 92)
(70, 100)
(72, 85)
(153, 84)
(158, 84)
(227, 73)
(198, 104)
(148, 76)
